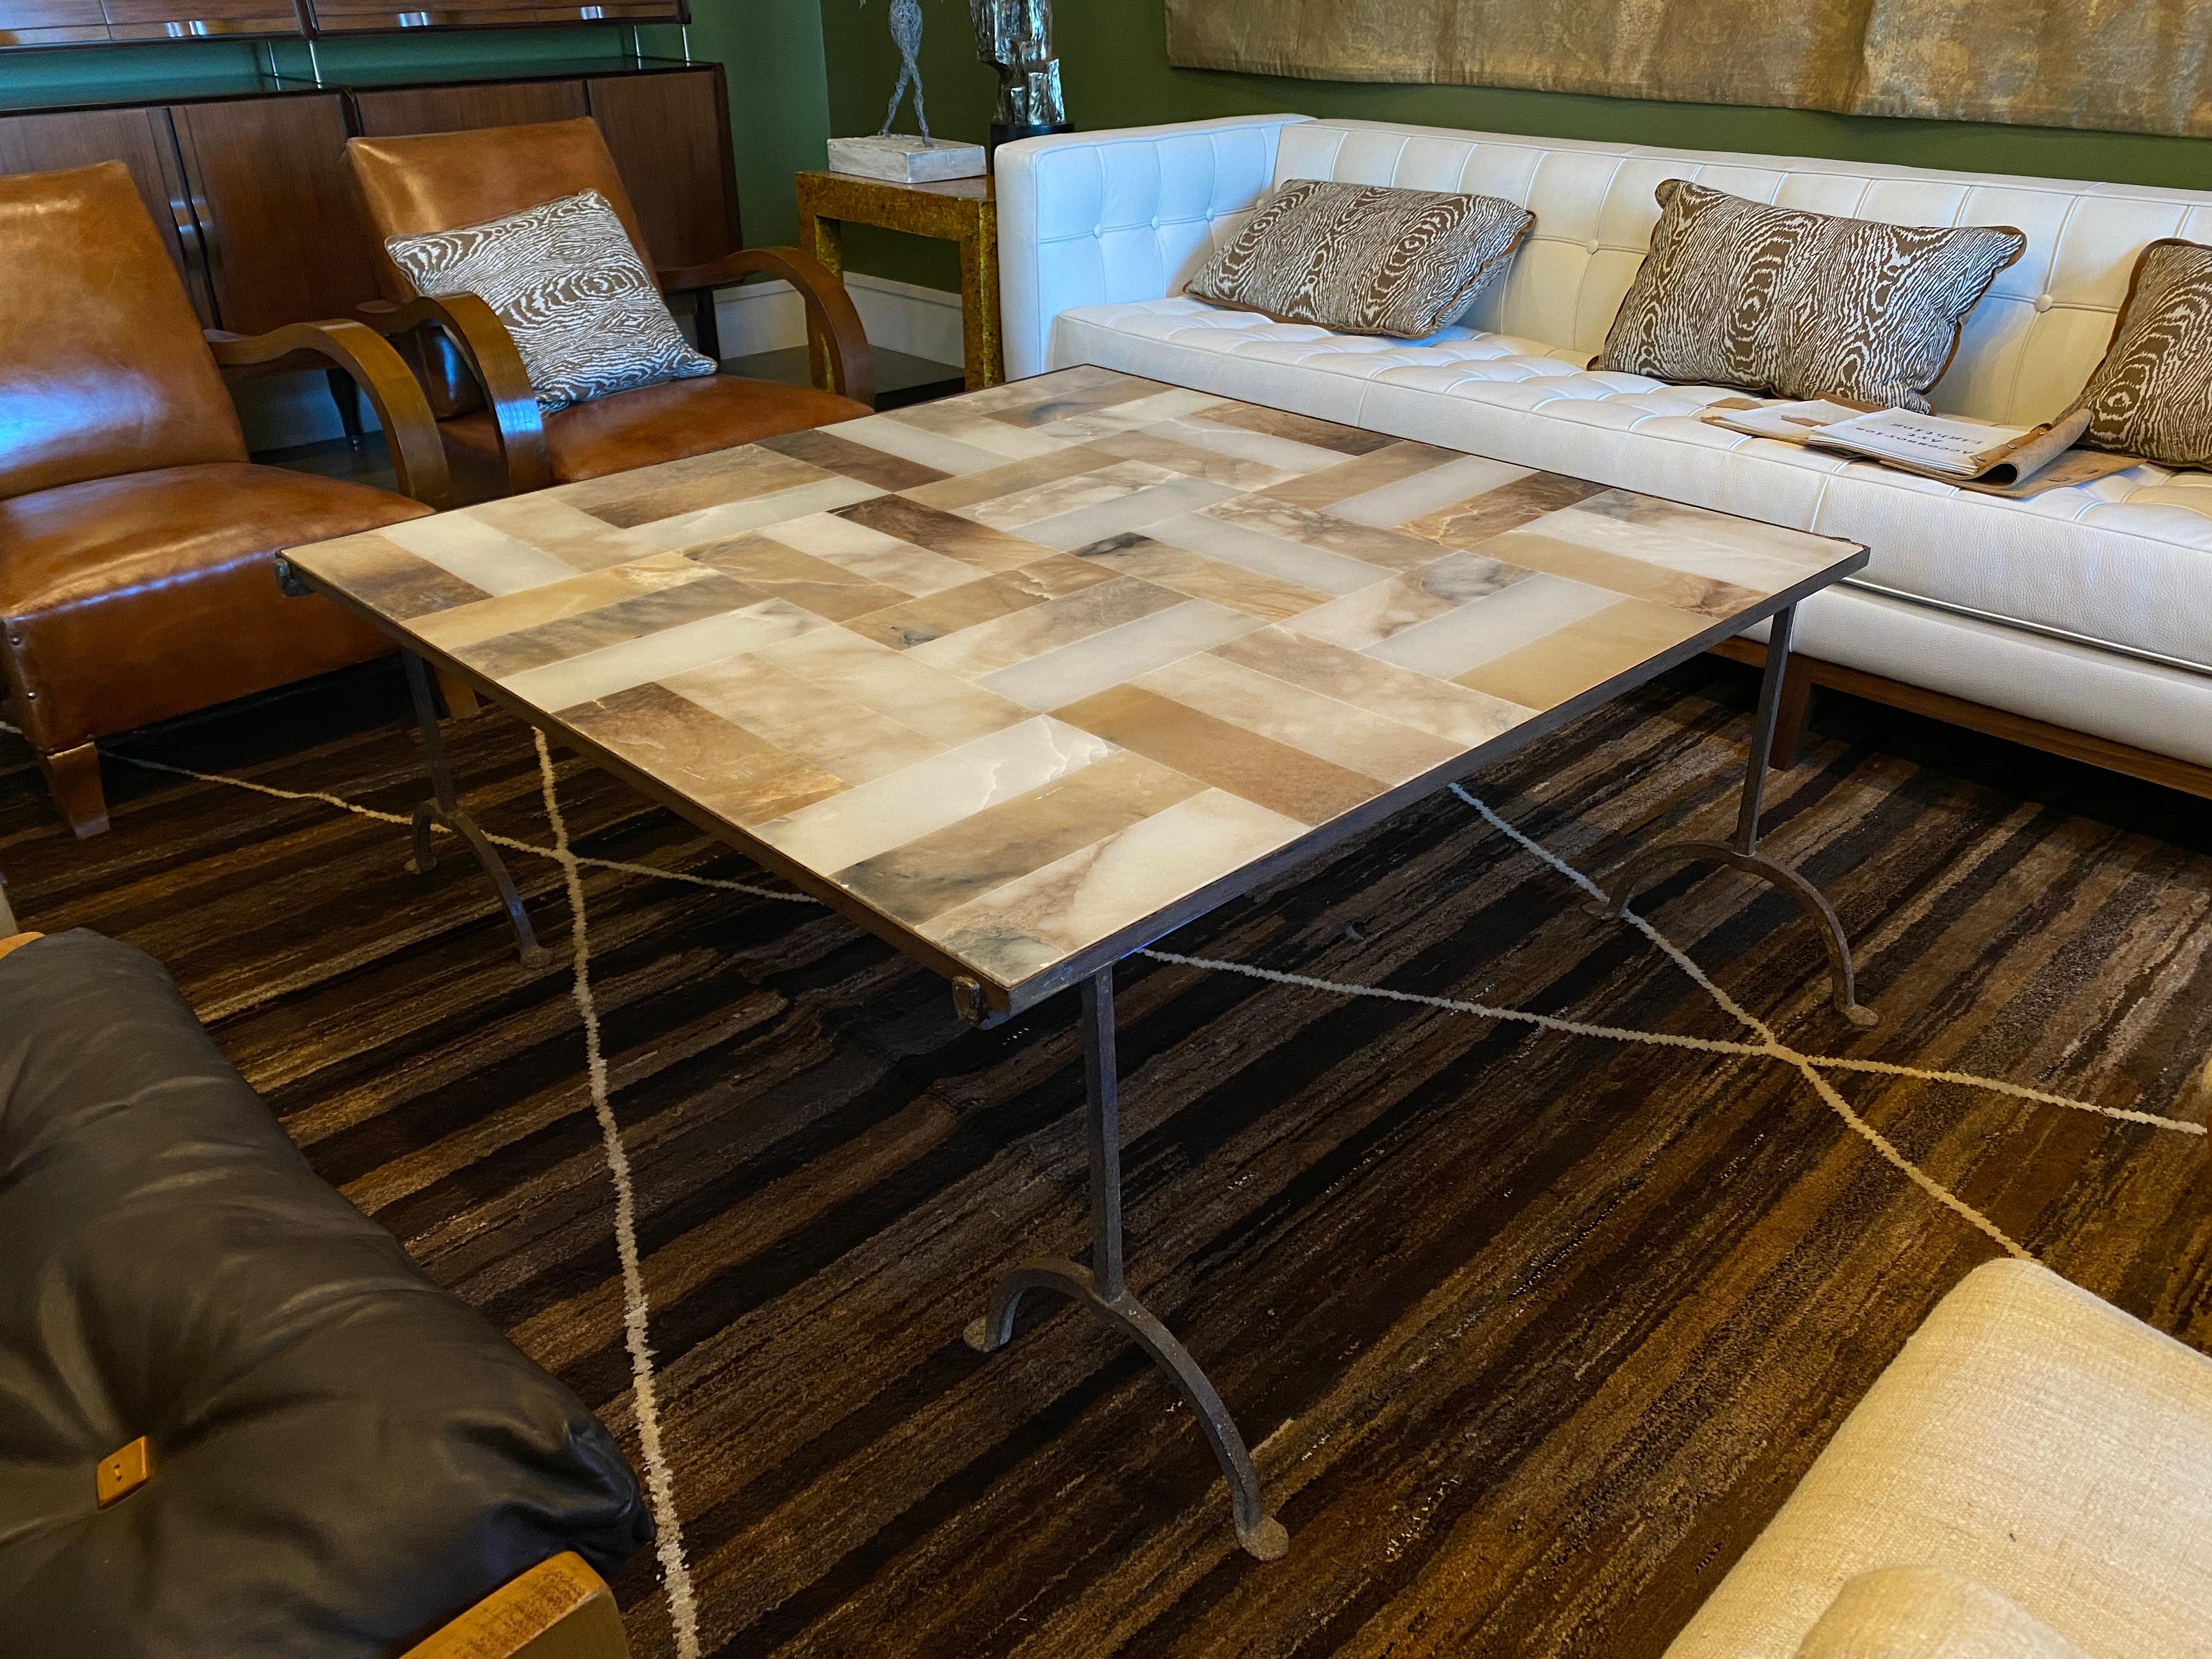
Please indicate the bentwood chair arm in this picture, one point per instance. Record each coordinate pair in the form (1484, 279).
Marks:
(418, 457)
(828, 306)
(488, 350)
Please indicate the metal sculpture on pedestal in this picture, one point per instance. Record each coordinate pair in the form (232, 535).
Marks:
(893, 156)
(1015, 38)
(906, 35)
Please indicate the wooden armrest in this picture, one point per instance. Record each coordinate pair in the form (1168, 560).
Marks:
(559, 1609)
(418, 455)
(828, 305)
(485, 345)
(16, 941)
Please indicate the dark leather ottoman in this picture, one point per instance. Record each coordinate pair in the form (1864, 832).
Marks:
(344, 1456)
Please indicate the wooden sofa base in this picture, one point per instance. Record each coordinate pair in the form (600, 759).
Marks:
(559, 1609)
(1806, 674)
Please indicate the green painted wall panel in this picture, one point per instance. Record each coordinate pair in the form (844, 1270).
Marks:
(1114, 57)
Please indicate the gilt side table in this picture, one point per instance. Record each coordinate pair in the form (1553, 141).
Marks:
(961, 210)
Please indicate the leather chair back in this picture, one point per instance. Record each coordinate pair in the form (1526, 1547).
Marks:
(441, 180)
(103, 368)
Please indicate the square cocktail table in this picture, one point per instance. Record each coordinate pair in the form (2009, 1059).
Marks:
(1023, 680)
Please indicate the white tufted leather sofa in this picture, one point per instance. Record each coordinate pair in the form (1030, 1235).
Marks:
(2088, 609)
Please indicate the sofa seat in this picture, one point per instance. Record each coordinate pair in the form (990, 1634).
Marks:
(2030, 1438)
(2123, 562)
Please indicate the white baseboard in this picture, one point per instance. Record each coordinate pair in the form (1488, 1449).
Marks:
(921, 322)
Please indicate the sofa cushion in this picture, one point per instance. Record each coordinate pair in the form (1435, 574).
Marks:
(1801, 304)
(1363, 259)
(2031, 1437)
(2152, 394)
(1924, 1613)
(344, 1455)
(2124, 561)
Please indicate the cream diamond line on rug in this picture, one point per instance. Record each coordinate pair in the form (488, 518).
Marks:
(1764, 1044)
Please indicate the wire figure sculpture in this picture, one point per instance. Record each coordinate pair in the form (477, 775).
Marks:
(906, 35)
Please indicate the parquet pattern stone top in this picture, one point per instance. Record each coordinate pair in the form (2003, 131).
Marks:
(1020, 670)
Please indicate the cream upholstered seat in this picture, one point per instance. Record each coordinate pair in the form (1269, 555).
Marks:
(2088, 607)
(2030, 1439)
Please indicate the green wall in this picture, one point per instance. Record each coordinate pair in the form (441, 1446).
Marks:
(1114, 57)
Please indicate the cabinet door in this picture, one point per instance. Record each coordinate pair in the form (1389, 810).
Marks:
(455, 109)
(142, 141)
(51, 22)
(285, 244)
(199, 20)
(613, 11)
(669, 134)
(382, 16)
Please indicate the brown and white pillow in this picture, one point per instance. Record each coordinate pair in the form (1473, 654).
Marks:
(1363, 259)
(1801, 304)
(564, 277)
(2152, 396)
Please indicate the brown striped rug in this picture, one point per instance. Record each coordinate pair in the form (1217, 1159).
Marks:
(1534, 1315)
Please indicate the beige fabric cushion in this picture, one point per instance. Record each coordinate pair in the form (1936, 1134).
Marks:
(2152, 396)
(2029, 1437)
(1922, 1613)
(1363, 259)
(1800, 304)
(565, 278)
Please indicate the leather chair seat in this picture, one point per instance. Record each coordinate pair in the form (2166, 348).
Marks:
(115, 590)
(665, 422)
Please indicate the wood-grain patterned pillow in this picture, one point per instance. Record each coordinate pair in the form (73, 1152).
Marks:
(1363, 259)
(2152, 396)
(1801, 304)
(564, 278)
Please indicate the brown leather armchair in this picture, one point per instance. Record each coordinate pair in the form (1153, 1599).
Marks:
(476, 381)
(136, 544)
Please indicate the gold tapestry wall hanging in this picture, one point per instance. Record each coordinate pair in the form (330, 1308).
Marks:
(2122, 65)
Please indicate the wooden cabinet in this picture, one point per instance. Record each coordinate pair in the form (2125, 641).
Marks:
(271, 190)
(670, 135)
(389, 114)
(199, 20)
(395, 16)
(51, 22)
(252, 196)
(84, 22)
(144, 141)
(90, 22)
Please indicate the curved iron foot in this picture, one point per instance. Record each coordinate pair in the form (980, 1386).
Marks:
(1262, 1536)
(1842, 981)
(533, 954)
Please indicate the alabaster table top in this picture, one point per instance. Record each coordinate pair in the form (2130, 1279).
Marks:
(1024, 679)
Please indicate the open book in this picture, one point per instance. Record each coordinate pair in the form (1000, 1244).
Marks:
(1972, 454)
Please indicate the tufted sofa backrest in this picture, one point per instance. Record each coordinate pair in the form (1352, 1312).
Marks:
(2028, 348)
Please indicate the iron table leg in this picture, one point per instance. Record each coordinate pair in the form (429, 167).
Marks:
(1743, 852)
(444, 808)
(1101, 1287)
